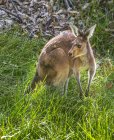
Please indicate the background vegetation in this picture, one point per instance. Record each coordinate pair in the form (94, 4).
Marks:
(45, 115)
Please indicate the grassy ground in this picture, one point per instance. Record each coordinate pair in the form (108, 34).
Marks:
(45, 115)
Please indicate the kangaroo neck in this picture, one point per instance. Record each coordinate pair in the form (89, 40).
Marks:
(89, 50)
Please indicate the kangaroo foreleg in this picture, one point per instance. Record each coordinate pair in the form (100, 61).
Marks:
(64, 87)
(91, 74)
(77, 74)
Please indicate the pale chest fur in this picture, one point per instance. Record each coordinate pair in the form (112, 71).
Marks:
(84, 61)
(81, 63)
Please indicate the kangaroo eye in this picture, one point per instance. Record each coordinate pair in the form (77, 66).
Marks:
(78, 45)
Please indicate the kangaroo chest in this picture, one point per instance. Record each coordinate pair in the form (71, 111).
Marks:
(84, 61)
(81, 63)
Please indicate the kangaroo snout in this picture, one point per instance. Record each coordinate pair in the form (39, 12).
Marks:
(70, 53)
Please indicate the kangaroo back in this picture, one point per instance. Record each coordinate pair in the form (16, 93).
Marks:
(53, 64)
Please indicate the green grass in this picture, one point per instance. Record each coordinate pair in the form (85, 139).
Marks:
(45, 114)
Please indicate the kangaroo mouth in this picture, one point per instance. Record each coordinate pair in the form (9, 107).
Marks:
(77, 56)
(73, 57)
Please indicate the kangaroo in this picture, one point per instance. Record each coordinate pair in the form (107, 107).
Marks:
(64, 55)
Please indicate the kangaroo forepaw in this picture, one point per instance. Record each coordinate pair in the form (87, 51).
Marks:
(81, 95)
(86, 93)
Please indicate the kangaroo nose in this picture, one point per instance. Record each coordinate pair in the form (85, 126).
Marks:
(70, 53)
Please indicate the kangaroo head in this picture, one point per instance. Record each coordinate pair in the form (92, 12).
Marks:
(79, 45)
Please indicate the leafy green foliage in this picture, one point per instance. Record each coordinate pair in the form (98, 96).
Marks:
(98, 12)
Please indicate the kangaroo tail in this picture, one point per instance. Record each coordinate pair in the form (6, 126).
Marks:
(32, 86)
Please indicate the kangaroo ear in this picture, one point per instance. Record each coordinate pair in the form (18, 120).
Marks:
(74, 30)
(90, 31)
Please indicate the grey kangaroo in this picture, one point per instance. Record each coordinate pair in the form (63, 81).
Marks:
(64, 55)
